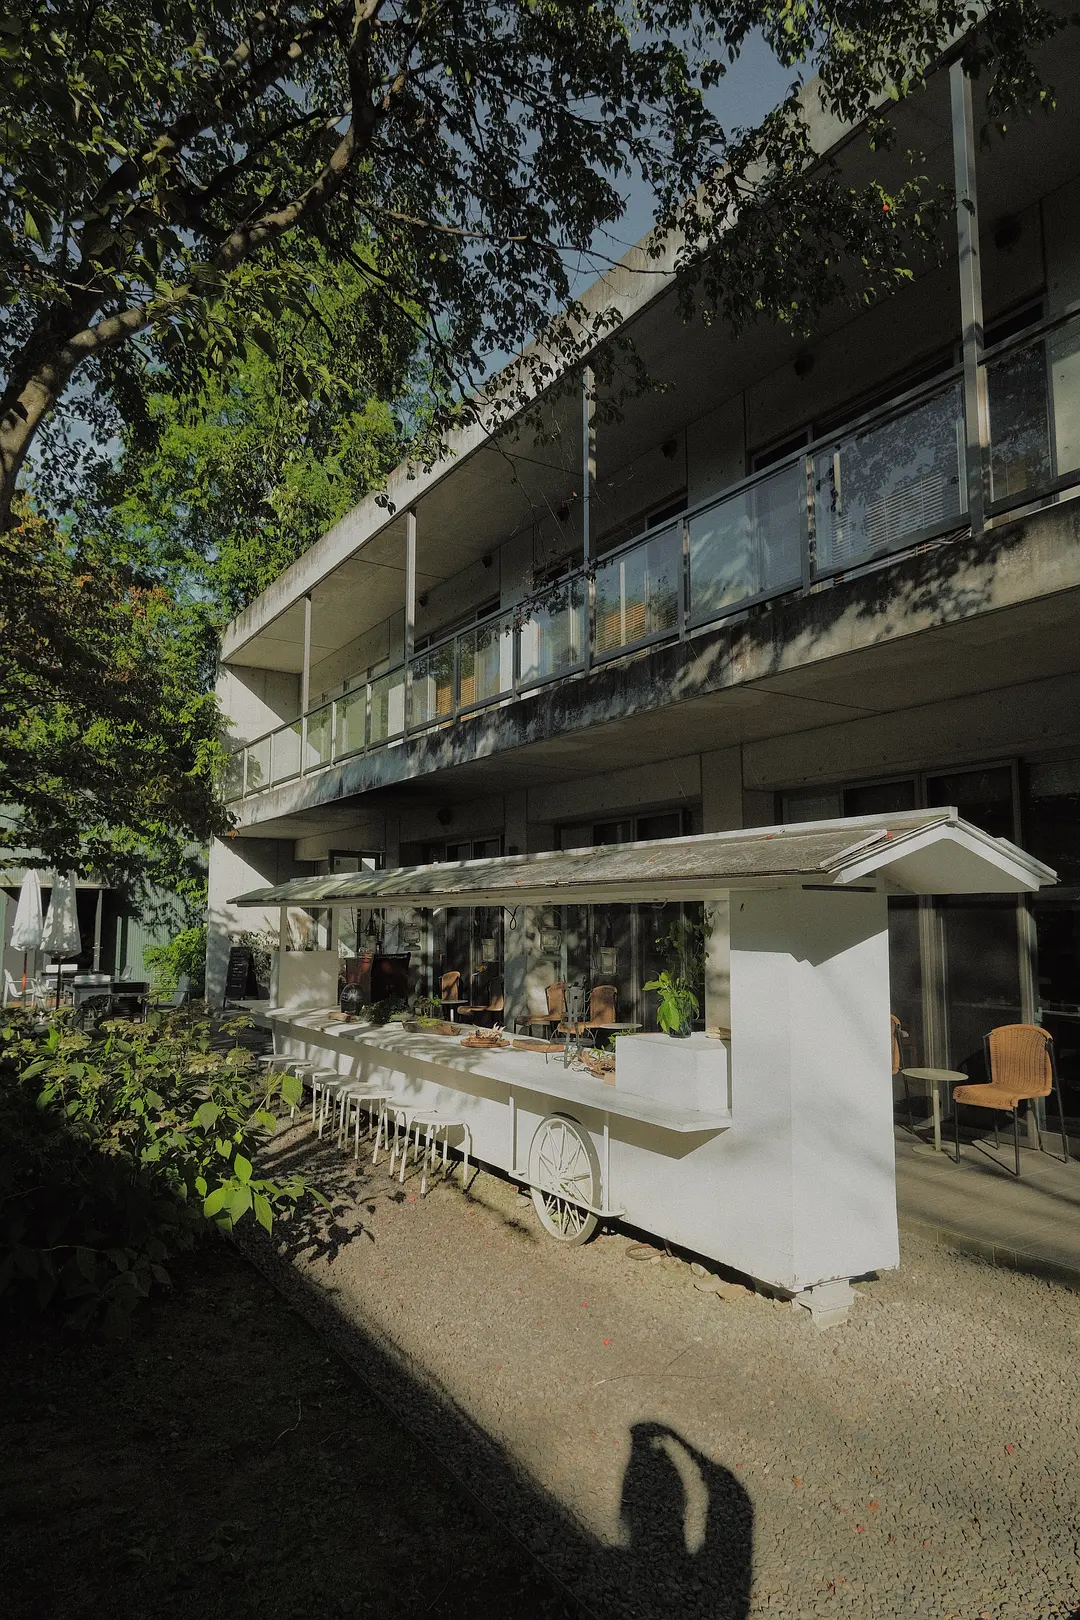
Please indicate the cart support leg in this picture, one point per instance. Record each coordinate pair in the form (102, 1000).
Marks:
(827, 1302)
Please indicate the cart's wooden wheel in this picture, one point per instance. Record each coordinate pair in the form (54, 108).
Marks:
(563, 1166)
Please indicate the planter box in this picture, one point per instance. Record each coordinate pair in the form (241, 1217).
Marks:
(692, 1072)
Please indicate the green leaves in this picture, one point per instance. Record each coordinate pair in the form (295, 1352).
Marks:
(113, 1157)
(210, 180)
(216, 1201)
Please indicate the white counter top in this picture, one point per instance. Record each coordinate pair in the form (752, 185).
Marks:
(540, 1072)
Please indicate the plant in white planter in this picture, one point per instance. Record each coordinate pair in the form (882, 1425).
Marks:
(678, 1004)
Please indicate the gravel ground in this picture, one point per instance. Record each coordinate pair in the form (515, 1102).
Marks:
(220, 1464)
(665, 1451)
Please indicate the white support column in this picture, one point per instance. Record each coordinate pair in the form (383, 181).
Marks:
(976, 409)
(718, 962)
(305, 674)
(588, 483)
(410, 583)
(588, 461)
(410, 608)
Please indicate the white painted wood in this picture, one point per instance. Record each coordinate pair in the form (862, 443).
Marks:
(811, 1094)
(686, 1073)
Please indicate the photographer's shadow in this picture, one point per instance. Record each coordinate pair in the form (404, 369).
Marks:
(689, 1524)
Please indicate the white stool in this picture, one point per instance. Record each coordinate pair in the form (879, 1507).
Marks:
(325, 1084)
(433, 1124)
(354, 1098)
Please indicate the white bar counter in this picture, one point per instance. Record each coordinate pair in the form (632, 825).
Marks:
(541, 1073)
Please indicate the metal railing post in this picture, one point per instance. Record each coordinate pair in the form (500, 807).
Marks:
(410, 613)
(685, 604)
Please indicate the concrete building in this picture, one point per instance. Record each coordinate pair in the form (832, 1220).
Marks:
(809, 578)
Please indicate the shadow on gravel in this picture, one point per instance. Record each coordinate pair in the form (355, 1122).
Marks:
(687, 1521)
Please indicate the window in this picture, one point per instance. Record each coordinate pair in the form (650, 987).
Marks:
(627, 830)
(880, 798)
(983, 797)
(352, 860)
(467, 849)
(809, 804)
(664, 514)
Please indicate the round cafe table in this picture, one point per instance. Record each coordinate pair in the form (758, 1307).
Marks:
(935, 1079)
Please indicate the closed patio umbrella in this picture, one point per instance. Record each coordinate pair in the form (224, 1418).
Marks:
(62, 937)
(26, 931)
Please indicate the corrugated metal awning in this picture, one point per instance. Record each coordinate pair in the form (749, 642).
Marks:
(918, 852)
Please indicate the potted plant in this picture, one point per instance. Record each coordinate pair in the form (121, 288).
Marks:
(678, 1004)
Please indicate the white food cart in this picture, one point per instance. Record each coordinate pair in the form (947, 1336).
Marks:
(770, 1151)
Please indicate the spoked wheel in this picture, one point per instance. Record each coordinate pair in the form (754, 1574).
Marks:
(563, 1167)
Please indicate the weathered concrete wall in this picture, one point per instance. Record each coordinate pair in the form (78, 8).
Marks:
(257, 700)
(237, 864)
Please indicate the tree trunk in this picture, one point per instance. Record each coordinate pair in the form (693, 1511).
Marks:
(38, 379)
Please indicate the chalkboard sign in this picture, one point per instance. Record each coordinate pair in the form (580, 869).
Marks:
(240, 974)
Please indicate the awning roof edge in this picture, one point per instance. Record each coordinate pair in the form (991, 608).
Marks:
(913, 852)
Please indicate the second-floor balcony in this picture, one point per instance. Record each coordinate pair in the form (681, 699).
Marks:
(891, 481)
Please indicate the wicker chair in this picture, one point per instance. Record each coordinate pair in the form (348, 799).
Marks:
(450, 986)
(602, 1005)
(555, 995)
(899, 1035)
(1021, 1065)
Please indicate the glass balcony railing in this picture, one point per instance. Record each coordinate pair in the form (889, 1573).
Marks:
(888, 485)
(257, 765)
(1033, 398)
(748, 545)
(387, 707)
(319, 738)
(891, 481)
(551, 634)
(431, 689)
(639, 593)
(350, 733)
(285, 751)
(486, 662)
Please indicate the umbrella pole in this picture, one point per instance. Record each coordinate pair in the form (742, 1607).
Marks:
(24, 975)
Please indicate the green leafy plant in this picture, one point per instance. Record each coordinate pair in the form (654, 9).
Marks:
(122, 1148)
(426, 1007)
(678, 1003)
(183, 957)
(390, 1007)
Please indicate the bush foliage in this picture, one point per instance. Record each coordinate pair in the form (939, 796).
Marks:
(121, 1148)
(184, 957)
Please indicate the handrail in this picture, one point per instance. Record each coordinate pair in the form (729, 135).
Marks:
(579, 605)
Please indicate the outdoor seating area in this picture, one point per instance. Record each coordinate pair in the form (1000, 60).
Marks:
(1022, 1070)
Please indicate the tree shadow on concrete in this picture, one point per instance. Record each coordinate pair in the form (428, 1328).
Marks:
(687, 1520)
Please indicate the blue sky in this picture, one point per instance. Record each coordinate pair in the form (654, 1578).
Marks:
(754, 84)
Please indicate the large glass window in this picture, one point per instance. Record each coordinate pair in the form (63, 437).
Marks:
(984, 797)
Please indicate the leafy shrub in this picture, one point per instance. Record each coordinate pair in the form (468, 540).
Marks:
(182, 957)
(121, 1148)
